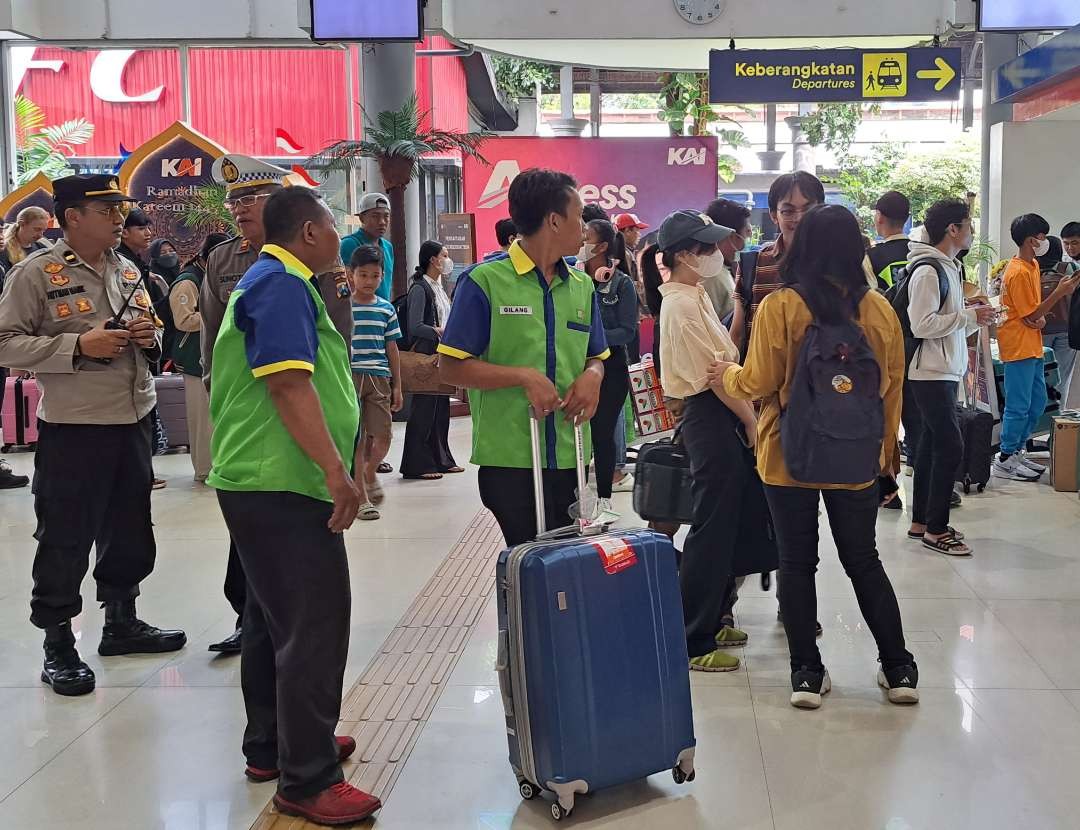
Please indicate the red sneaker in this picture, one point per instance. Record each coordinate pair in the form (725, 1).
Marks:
(339, 804)
(346, 746)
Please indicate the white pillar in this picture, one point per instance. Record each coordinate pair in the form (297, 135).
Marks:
(389, 78)
(567, 125)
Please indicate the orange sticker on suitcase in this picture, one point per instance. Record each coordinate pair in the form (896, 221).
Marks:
(615, 554)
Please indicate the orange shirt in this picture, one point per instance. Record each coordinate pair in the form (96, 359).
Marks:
(1021, 294)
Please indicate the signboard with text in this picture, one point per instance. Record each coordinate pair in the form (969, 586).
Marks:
(651, 177)
(164, 175)
(765, 76)
(457, 231)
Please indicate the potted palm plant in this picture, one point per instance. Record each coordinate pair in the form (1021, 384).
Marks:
(397, 140)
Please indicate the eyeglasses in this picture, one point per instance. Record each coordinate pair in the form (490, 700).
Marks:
(111, 210)
(793, 212)
(247, 201)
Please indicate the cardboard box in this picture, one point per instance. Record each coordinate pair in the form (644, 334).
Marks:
(1065, 452)
(648, 401)
(643, 376)
(654, 423)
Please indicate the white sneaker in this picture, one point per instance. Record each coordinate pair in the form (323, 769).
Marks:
(1012, 468)
(1034, 466)
(606, 511)
(624, 484)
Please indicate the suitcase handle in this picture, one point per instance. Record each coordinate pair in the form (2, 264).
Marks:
(502, 668)
(581, 526)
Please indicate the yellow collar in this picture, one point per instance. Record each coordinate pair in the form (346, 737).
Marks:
(290, 262)
(524, 265)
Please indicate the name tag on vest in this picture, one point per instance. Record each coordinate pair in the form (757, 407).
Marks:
(516, 309)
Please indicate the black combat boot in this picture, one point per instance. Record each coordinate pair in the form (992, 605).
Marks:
(64, 670)
(125, 633)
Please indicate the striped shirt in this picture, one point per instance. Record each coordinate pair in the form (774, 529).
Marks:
(767, 277)
(374, 325)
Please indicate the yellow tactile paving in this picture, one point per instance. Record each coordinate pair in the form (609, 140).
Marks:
(387, 708)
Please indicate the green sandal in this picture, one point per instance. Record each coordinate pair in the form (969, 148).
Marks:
(714, 661)
(731, 637)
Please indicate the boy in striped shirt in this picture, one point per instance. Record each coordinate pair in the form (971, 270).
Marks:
(376, 371)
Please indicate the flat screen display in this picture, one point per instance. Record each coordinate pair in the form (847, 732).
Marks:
(1028, 15)
(366, 20)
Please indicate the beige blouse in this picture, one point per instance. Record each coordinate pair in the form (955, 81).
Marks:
(691, 338)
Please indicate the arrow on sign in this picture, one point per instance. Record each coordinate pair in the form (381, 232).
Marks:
(943, 74)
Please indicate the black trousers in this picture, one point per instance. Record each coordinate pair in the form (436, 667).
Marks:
(940, 450)
(912, 421)
(613, 391)
(296, 635)
(508, 493)
(721, 479)
(236, 583)
(427, 437)
(91, 489)
(853, 519)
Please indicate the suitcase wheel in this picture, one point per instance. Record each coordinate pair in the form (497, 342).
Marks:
(6, 447)
(528, 790)
(558, 812)
(967, 488)
(981, 488)
(682, 777)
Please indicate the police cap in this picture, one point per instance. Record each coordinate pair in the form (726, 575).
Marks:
(103, 188)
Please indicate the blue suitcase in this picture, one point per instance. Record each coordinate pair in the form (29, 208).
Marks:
(592, 664)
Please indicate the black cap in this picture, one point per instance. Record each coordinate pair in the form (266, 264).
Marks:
(689, 224)
(103, 188)
(894, 205)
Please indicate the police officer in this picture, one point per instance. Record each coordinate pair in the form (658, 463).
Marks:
(248, 184)
(79, 316)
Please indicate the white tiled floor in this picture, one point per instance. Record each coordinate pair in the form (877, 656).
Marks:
(995, 742)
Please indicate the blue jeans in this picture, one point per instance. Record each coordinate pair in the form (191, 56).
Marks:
(1065, 356)
(1025, 402)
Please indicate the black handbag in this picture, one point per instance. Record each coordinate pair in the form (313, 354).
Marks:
(662, 483)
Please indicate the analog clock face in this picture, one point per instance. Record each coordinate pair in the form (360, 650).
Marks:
(699, 12)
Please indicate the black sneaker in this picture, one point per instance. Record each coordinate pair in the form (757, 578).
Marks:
(901, 683)
(955, 500)
(808, 686)
(8, 479)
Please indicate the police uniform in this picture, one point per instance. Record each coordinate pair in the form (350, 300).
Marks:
(93, 471)
(225, 265)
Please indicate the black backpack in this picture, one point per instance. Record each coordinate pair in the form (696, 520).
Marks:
(401, 308)
(832, 429)
(899, 296)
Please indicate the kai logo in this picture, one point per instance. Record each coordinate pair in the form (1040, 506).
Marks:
(175, 168)
(685, 156)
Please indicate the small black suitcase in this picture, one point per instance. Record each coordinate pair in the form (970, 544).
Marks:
(662, 483)
(977, 431)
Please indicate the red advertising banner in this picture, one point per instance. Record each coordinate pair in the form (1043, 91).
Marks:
(651, 177)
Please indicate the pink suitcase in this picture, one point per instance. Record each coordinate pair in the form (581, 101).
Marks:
(18, 419)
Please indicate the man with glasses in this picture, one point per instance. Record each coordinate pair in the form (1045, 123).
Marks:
(790, 197)
(79, 316)
(248, 184)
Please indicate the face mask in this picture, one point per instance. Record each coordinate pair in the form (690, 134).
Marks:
(1042, 248)
(447, 267)
(710, 265)
(586, 253)
(169, 260)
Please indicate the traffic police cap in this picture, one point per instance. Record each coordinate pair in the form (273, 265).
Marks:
(237, 172)
(103, 188)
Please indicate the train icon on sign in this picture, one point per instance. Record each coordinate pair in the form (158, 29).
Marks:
(884, 75)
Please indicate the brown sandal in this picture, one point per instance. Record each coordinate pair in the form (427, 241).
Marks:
(454, 470)
(948, 545)
(424, 477)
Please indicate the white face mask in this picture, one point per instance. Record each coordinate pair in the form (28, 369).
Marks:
(587, 251)
(447, 267)
(709, 265)
(1042, 248)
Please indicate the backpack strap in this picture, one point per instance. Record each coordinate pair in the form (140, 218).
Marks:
(939, 269)
(748, 261)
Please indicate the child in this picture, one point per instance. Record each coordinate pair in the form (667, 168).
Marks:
(1021, 347)
(376, 371)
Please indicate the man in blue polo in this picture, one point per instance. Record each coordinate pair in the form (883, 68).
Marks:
(525, 330)
(374, 224)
